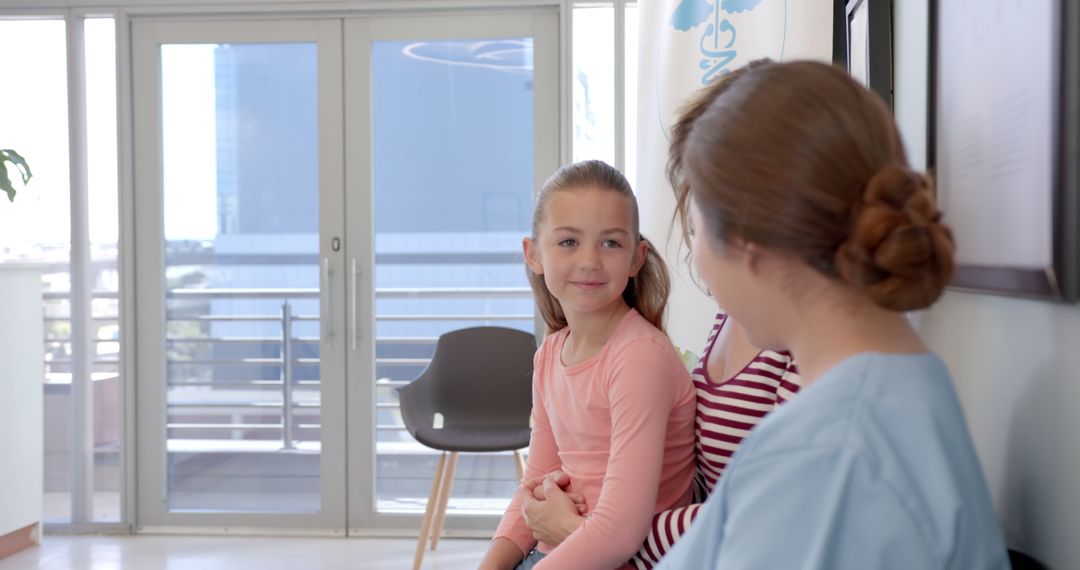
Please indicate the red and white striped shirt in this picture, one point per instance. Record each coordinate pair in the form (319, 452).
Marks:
(726, 412)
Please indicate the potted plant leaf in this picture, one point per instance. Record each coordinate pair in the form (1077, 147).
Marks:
(16, 160)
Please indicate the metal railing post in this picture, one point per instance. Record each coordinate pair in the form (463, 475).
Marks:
(287, 441)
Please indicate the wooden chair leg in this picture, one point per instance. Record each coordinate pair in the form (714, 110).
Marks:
(432, 505)
(519, 464)
(444, 499)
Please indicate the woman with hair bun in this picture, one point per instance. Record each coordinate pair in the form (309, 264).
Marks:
(812, 231)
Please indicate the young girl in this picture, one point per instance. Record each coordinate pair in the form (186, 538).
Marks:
(813, 231)
(613, 406)
(737, 385)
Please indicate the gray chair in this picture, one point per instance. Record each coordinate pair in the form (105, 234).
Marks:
(474, 396)
(1021, 561)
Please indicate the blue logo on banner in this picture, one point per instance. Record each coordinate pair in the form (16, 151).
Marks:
(736, 6)
(717, 43)
(690, 14)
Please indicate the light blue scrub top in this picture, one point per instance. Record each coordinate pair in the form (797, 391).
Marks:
(871, 466)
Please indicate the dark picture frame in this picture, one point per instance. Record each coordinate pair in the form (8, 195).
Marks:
(1014, 209)
(862, 43)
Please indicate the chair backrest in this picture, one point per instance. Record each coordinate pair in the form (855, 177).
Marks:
(1021, 561)
(480, 376)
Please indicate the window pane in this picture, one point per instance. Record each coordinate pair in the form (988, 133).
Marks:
(447, 232)
(242, 276)
(105, 307)
(631, 90)
(594, 83)
(36, 226)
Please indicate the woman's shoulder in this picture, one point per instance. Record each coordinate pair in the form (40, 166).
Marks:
(860, 394)
(778, 359)
(782, 364)
(885, 377)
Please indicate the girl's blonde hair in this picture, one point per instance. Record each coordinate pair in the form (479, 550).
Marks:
(646, 292)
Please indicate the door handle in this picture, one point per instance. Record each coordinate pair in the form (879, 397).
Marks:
(328, 331)
(355, 305)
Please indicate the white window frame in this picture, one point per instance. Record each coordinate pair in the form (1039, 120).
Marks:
(74, 12)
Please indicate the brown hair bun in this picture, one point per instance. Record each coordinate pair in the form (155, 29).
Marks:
(898, 251)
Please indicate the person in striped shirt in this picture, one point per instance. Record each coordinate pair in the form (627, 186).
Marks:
(736, 384)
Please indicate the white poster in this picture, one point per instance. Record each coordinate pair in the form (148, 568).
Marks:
(995, 131)
(684, 45)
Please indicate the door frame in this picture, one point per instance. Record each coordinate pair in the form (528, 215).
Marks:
(147, 35)
(345, 178)
(540, 23)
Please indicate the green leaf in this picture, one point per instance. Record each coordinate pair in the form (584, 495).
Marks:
(20, 162)
(689, 359)
(9, 155)
(5, 182)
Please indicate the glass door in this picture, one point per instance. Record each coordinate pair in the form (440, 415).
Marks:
(452, 123)
(240, 275)
(317, 201)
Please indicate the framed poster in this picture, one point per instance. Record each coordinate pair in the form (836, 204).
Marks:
(868, 45)
(1005, 142)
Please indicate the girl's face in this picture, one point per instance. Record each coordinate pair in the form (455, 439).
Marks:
(586, 249)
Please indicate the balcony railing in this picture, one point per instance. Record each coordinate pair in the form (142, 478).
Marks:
(243, 415)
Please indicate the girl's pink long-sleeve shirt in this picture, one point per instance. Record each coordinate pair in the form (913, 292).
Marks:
(621, 425)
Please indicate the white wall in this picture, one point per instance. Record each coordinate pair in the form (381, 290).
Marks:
(21, 356)
(1016, 364)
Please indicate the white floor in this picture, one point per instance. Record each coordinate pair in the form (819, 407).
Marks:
(57, 507)
(228, 553)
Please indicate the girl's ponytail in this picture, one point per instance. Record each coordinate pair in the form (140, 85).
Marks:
(647, 292)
